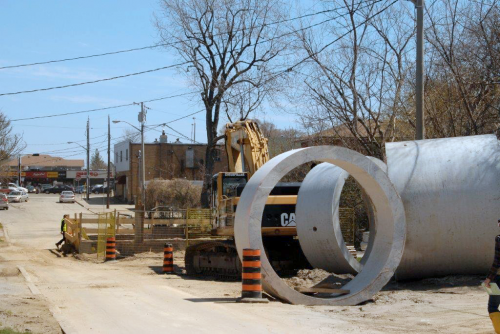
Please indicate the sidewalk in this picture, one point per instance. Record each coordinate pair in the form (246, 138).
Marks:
(97, 203)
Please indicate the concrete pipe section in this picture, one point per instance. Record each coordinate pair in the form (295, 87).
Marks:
(451, 192)
(318, 223)
(388, 244)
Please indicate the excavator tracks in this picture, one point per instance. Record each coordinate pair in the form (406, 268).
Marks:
(217, 259)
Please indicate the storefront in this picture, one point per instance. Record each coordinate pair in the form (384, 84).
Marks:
(79, 177)
(37, 177)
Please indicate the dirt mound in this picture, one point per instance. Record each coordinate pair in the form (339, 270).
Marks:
(306, 278)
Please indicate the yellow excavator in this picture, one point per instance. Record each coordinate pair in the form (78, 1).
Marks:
(247, 150)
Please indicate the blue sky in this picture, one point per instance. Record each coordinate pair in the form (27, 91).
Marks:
(33, 31)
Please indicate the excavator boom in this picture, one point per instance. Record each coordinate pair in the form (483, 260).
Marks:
(246, 147)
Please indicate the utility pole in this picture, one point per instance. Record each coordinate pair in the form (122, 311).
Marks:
(88, 159)
(194, 130)
(142, 119)
(139, 213)
(19, 170)
(419, 98)
(139, 234)
(109, 162)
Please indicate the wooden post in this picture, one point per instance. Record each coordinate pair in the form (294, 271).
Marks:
(117, 217)
(115, 227)
(187, 230)
(79, 221)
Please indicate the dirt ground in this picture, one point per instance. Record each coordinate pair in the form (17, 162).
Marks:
(454, 304)
(132, 296)
(20, 309)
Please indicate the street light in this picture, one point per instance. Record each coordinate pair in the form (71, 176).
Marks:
(142, 119)
(88, 167)
(139, 234)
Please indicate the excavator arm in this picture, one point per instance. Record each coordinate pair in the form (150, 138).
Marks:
(246, 147)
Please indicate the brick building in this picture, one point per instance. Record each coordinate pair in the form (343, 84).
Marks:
(163, 161)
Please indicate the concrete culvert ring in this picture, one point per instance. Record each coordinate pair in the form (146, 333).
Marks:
(318, 210)
(388, 243)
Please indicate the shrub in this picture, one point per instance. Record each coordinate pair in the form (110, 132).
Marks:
(177, 193)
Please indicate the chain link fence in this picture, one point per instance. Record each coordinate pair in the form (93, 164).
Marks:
(106, 228)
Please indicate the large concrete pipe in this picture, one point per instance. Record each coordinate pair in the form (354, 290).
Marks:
(451, 193)
(388, 243)
(318, 223)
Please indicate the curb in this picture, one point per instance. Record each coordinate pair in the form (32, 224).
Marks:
(66, 328)
(83, 206)
(34, 290)
(6, 235)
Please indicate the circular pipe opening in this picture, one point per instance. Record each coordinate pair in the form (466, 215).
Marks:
(388, 243)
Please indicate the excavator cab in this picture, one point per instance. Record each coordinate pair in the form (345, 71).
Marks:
(224, 191)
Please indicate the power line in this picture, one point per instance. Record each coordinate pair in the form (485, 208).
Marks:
(99, 109)
(174, 65)
(289, 69)
(65, 142)
(163, 44)
(96, 81)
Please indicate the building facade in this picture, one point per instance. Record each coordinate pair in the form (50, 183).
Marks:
(46, 169)
(163, 160)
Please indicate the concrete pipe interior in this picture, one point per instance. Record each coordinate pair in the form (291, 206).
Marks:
(388, 243)
(318, 221)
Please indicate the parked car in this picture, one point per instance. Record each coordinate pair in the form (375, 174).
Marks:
(7, 189)
(4, 202)
(97, 186)
(17, 196)
(67, 197)
(45, 186)
(31, 189)
(25, 196)
(57, 189)
(13, 185)
(80, 189)
(161, 212)
(100, 190)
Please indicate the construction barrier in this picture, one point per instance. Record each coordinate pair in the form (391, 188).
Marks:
(87, 232)
(251, 277)
(110, 249)
(168, 259)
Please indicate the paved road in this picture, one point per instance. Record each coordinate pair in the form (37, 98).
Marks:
(112, 298)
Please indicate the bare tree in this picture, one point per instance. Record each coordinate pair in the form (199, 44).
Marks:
(231, 48)
(463, 95)
(357, 86)
(11, 144)
(132, 136)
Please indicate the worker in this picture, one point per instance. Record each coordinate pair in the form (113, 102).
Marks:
(494, 277)
(63, 231)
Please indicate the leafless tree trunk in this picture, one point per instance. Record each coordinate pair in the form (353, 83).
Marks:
(231, 49)
(11, 145)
